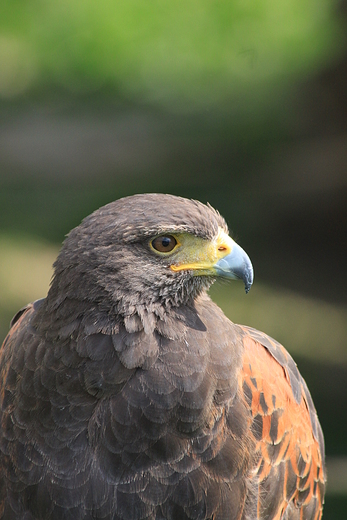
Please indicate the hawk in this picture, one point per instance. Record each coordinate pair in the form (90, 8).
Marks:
(126, 393)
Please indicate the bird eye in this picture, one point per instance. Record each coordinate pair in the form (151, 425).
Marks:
(164, 244)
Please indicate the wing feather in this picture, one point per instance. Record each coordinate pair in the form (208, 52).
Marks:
(286, 430)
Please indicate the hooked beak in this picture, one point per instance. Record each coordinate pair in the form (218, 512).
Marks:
(236, 265)
(218, 257)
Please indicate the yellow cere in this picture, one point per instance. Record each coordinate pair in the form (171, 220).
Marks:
(200, 254)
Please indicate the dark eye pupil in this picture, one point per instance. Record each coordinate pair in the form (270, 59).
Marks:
(164, 244)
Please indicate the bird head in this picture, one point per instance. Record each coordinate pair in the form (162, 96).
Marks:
(147, 250)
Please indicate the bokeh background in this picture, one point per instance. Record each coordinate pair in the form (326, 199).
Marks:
(242, 103)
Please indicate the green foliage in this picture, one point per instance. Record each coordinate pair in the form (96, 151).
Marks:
(189, 54)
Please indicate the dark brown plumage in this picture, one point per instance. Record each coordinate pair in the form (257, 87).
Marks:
(126, 394)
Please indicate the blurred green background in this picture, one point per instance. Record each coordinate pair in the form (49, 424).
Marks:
(240, 103)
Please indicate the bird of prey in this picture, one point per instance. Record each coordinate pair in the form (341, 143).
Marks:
(126, 394)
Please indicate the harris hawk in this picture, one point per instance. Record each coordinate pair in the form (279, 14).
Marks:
(126, 394)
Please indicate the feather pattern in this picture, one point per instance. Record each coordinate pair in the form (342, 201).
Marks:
(137, 399)
(209, 430)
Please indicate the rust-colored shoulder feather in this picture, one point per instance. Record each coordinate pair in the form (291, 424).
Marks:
(289, 440)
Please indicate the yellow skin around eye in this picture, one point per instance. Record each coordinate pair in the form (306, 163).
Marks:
(198, 254)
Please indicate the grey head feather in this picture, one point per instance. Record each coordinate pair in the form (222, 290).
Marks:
(106, 260)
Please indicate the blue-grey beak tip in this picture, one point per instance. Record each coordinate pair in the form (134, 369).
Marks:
(236, 266)
(244, 272)
(248, 280)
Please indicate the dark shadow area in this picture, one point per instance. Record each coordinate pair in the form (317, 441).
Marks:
(327, 384)
(335, 507)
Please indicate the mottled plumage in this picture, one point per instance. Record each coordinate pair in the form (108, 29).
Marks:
(126, 394)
